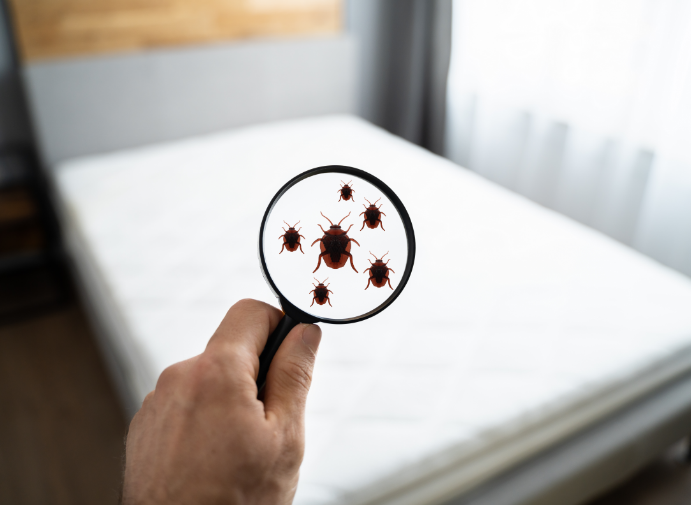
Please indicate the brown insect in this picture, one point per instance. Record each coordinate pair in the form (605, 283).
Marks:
(335, 245)
(379, 272)
(346, 192)
(372, 215)
(321, 293)
(291, 238)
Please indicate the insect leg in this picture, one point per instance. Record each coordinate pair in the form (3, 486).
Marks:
(303, 237)
(389, 283)
(351, 260)
(339, 198)
(368, 281)
(382, 224)
(327, 299)
(391, 270)
(355, 241)
(320, 260)
(318, 263)
(363, 224)
(284, 244)
(320, 226)
(300, 246)
(382, 213)
(315, 241)
(313, 300)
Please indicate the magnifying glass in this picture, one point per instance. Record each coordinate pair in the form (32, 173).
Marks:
(337, 246)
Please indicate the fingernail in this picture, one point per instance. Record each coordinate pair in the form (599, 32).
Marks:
(311, 336)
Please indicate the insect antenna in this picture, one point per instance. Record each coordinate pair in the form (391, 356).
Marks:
(322, 282)
(295, 224)
(375, 203)
(339, 223)
(351, 180)
(373, 255)
(387, 252)
(365, 200)
(315, 279)
(329, 220)
(287, 224)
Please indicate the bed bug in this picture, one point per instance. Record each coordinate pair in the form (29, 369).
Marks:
(335, 245)
(291, 238)
(372, 216)
(379, 272)
(346, 192)
(321, 293)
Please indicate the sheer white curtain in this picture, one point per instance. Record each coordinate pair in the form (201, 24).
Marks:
(583, 106)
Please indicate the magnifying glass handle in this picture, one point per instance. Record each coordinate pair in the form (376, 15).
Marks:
(272, 344)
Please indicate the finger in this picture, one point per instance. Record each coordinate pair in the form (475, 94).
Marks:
(290, 375)
(171, 377)
(246, 326)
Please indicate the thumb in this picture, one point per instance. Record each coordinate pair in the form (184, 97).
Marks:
(290, 374)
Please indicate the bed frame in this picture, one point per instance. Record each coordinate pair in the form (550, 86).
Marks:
(96, 105)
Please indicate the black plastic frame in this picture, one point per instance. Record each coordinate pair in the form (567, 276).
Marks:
(302, 316)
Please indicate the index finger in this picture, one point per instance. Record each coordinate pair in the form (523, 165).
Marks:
(246, 326)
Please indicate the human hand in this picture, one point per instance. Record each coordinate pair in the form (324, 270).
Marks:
(203, 437)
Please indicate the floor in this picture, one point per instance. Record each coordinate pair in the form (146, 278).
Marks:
(61, 428)
(667, 481)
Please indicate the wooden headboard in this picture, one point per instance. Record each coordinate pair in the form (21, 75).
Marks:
(110, 74)
(66, 28)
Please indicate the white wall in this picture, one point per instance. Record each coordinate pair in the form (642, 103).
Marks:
(99, 104)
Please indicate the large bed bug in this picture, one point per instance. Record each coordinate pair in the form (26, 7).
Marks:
(321, 293)
(335, 245)
(372, 215)
(291, 238)
(346, 192)
(379, 272)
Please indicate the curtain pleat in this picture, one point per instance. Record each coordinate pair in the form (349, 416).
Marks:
(583, 107)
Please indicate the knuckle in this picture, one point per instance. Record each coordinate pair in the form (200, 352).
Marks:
(205, 370)
(247, 304)
(168, 377)
(143, 410)
(292, 450)
(216, 372)
(299, 373)
(294, 446)
(148, 399)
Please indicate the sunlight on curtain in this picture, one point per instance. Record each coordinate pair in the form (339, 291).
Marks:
(583, 106)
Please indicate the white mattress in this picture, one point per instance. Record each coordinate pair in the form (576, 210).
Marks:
(517, 328)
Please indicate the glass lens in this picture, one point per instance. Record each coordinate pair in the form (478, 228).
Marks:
(335, 246)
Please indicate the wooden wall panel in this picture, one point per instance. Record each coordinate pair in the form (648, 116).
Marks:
(57, 28)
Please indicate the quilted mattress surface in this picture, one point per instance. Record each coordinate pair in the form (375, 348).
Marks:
(518, 327)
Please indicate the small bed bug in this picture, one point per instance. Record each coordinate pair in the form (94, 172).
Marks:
(291, 238)
(321, 293)
(335, 246)
(372, 215)
(346, 192)
(379, 272)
